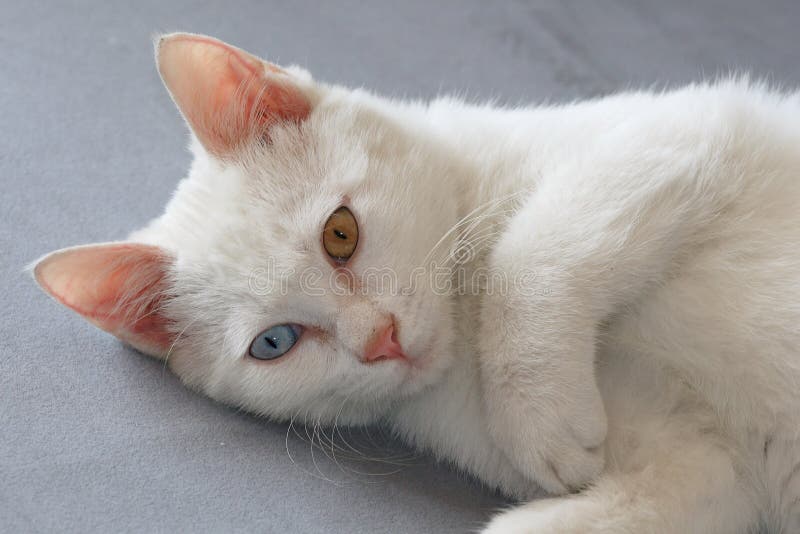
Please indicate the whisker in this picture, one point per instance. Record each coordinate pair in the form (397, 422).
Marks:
(467, 218)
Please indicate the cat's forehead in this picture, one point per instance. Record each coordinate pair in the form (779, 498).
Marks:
(307, 169)
(270, 206)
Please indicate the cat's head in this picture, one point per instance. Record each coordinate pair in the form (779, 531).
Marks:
(287, 274)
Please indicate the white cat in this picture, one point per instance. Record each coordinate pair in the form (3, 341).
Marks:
(490, 283)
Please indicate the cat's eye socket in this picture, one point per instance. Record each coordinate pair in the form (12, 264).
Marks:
(340, 235)
(274, 342)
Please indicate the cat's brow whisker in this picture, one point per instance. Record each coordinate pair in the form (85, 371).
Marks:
(478, 218)
(468, 240)
(476, 244)
(466, 218)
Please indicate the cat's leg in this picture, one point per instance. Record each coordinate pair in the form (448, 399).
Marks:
(589, 241)
(543, 407)
(687, 488)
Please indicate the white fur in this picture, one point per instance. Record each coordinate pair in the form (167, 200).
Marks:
(664, 234)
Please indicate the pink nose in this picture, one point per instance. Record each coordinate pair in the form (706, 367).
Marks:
(384, 346)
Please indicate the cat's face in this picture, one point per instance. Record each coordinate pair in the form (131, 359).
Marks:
(256, 285)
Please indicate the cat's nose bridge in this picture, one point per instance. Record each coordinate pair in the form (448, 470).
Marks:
(359, 323)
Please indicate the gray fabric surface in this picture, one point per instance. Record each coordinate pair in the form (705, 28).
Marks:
(94, 437)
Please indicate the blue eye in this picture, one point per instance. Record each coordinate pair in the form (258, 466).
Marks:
(274, 342)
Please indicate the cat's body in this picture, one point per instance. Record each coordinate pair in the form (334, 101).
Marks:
(649, 247)
(699, 364)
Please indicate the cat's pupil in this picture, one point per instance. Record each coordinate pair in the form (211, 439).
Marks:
(272, 342)
(340, 234)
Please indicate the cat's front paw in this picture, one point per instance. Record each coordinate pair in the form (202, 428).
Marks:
(562, 449)
(563, 463)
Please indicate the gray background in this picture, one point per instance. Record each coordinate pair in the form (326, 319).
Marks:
(94, 437)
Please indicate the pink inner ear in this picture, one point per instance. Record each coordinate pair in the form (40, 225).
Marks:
(226, 95)
(117, 287)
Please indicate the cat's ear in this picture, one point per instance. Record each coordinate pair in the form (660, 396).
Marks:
(118, 287)
(226, 95)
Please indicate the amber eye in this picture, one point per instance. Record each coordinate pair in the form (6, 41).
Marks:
(340, 236)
